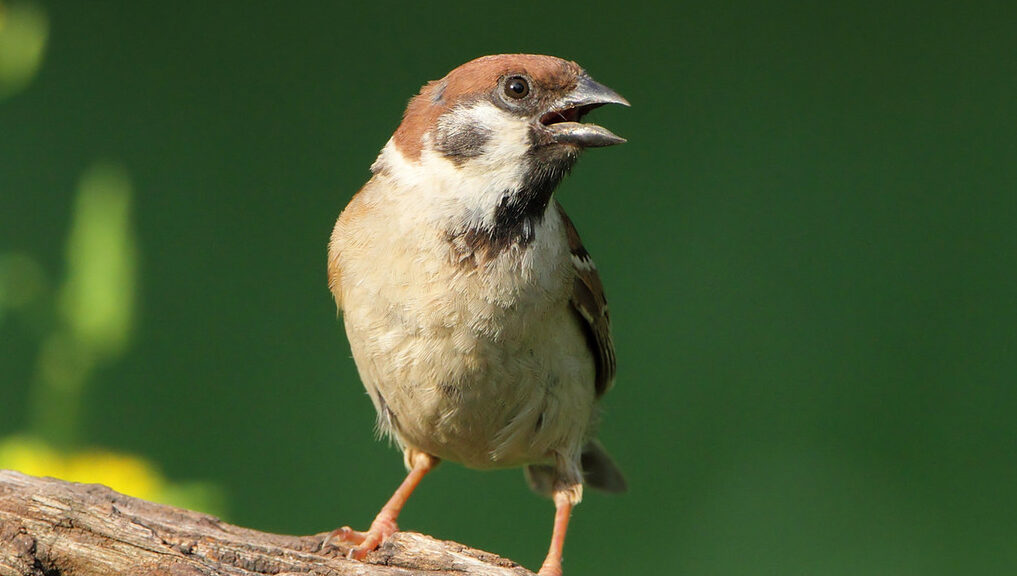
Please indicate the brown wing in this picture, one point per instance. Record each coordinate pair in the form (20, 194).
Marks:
(591, 305)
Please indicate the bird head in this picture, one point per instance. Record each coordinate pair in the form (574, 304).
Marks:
(538, 100)
(499, 133)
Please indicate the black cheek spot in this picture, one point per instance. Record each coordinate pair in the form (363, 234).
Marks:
(463, 142)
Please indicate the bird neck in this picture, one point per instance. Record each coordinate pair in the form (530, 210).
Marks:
(492, 205)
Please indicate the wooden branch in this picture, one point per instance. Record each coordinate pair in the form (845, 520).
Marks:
(49, 527)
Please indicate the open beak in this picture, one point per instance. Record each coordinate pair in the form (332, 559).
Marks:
(563, 121)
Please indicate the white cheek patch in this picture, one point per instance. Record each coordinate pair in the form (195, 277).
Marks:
(468, 191)
(509, 135)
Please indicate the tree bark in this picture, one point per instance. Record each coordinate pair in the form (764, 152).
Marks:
(50, 527)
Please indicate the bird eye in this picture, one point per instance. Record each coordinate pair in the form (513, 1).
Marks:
(517, 87)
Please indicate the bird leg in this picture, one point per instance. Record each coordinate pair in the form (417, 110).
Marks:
(384, 524)
(564, 499)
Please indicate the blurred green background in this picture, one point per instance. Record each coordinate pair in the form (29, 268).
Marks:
(808, 245)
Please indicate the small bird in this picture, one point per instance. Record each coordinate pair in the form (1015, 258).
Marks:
(476, 318)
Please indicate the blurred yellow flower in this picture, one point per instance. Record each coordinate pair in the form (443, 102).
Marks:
(31, 456)
(125, 473)
(122, 472)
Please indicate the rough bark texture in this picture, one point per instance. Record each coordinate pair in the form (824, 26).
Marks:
(49, 527)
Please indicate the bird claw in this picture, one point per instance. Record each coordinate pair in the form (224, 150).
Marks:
(365, 542)
(348, 535)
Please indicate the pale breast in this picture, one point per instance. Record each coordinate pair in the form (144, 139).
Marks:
(484, 364)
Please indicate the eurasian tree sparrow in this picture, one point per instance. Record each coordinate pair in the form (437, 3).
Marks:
(476, 318)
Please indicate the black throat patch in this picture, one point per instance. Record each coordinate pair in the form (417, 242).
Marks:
(515, 218)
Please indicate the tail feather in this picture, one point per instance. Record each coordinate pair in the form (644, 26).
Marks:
(599, 472)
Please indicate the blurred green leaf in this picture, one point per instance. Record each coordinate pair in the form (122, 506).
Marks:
(97, 300)
(24, 30)
(95, 303)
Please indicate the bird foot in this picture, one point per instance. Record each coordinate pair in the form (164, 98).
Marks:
(365, 542)
(550, 570)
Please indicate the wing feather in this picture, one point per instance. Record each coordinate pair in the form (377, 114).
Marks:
(590, 304)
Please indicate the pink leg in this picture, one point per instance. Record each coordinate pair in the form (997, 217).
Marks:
(563, 509)
(384, 524)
